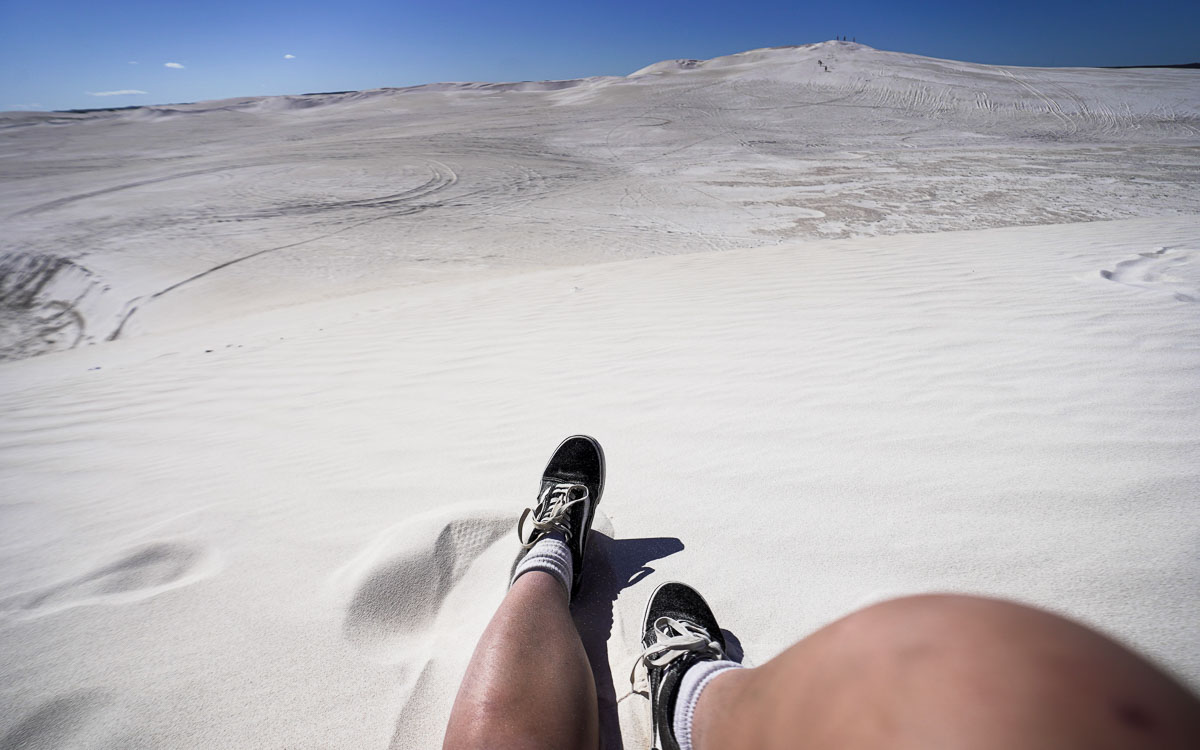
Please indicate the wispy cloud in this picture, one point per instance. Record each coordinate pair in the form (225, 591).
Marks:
(120, 92)
(176, 66)
(133, 62)
(29, 107)
(289, 57)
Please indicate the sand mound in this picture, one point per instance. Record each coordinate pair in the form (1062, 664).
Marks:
(275, 510)
(345, 192)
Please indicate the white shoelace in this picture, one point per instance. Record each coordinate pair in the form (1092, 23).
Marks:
(673, 640)
(550, 513)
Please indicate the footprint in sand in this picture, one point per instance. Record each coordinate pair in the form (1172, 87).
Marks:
(433, 670)
(397, 585)
(55, 723)
(135, 574)
(1166, 271)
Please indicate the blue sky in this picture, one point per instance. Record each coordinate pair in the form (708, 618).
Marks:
(57, 54)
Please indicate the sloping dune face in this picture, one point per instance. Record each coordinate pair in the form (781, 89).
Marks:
(289, 530)
(124, 222)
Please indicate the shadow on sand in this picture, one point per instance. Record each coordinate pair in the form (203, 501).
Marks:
(612, 566)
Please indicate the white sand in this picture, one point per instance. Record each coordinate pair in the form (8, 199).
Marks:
(281, 510)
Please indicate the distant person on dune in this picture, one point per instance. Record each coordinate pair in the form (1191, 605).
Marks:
(919, 672)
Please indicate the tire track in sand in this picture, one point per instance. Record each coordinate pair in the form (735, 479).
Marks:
(443, 178)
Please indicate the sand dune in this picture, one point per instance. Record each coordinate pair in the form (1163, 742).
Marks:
(280, 507)
(177, 209)
(986, 411)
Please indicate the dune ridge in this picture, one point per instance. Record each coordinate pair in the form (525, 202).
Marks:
(332, 194)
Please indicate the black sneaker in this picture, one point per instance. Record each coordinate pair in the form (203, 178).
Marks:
(679, 632)
(571, 487)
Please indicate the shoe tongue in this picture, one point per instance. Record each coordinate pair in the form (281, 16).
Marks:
(690, 629)
(563, 477)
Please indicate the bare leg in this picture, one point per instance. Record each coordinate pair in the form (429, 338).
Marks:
(529, 684)
(948, 671)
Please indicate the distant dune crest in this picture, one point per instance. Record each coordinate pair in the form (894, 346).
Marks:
(769, 61)
(143, 218)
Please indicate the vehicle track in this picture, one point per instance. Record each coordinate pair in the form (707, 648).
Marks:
(60, 202)
(1052, 106)
(443, 177)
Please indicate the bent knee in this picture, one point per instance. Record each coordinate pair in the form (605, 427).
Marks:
(1010, 652)
(951, 618)
(985, 646)
(971, 664)
(977, 635)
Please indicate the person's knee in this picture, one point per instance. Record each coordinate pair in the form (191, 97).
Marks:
(951, 620)
(950, 606)
(1002, 663)
(952, 671)
(976, 636)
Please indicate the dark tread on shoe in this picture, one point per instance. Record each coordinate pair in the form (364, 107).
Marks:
(679, 602)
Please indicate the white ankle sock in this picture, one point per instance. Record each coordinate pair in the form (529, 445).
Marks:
(551, 555)
(694, 680)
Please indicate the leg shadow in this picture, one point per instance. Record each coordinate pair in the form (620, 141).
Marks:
(612, 566)
(733, 647)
